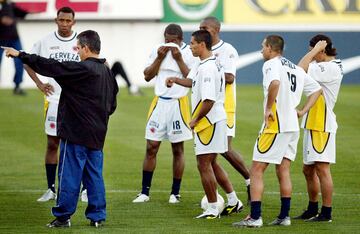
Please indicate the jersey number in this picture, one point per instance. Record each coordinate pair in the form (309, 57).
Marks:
(176, 125)
(292, 79)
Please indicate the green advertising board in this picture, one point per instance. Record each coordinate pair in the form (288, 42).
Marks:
(191, 10)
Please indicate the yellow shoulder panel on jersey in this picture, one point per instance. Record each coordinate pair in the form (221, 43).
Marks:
(265, 141)
(230, 119)
(185, 110)
(206, 135)
(229, 98)
(273, 124)
(152, 106)
(203, 123)
(319, 140)
(316, 117)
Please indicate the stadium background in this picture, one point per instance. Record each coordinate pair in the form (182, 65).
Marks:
(130, 28)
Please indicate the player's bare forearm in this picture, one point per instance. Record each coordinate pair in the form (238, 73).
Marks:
(272, 93)
(310, 101)
(183, 82)
(183, 68)
(308, 58)
(229, 78)
(151, 71)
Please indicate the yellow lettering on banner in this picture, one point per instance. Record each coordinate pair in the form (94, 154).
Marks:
(291, 11)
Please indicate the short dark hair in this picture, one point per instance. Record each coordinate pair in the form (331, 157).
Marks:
(276, 43)
(66, 10)
(174, 29)
(213, 20)
(90, 39)
(329, 50)
(203, 36)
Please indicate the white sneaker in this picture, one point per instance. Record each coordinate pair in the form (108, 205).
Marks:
(141, 198)
(174, 198)
(83, 196)
(282, 222)
(249, 222)
(208, 214)
(48, 195)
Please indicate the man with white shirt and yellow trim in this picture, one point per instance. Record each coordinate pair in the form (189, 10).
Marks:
(227, 55)
(61, 46)
(283, 84)
(208, 121)
(320, 127)
(169, 114)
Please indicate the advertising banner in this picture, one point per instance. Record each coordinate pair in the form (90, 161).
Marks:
(191, 10)
(95, 9)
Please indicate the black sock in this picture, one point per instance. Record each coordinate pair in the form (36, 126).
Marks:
(255, 209)
(326, 212)
(146, 182)
(285, 207)
(50, 175)
(313, 207)
(175, 186)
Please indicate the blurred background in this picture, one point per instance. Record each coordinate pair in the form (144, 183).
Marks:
(129, 29)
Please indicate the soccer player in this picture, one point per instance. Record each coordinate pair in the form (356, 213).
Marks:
(83, 120)
(320, 126)
(283, 83)
(208, 120)
(169, 115)
(227, 55)
(61, 46)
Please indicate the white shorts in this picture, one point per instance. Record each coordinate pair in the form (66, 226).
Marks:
(51, 110)
(169, 119)
(212, 139)
(273, 147)
(318, 147)
(230, 123)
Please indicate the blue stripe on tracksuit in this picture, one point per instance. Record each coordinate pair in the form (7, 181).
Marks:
(79, 163)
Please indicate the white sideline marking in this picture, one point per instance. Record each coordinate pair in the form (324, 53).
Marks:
(2, 191)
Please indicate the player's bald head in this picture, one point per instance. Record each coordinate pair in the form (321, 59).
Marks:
(276, 43)
(212, 22)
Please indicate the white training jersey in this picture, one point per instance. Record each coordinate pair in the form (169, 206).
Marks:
(169, 68)
(227, 56)
(59, 48)
(329, 75)
(208, 83)
(293, 82)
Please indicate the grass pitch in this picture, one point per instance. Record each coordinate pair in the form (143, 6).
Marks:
(22, 174)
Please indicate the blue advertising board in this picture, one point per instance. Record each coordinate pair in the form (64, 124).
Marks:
(248, 45)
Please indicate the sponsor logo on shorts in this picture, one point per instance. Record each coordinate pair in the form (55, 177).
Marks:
(152, 130)
(154, 124)
(51, 118)
(177, 132)
(52, 125)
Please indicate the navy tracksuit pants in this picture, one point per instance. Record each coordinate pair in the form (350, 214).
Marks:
(79, 163)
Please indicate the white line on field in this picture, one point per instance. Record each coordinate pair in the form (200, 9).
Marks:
(2, 191)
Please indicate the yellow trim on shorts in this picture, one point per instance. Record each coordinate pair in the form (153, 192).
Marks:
(185, 110)
(274, 126)
(316, 118)
(152, 106)
(203, 123)
(46, 106)
(265, 141)
(319, 140)
(206, 135)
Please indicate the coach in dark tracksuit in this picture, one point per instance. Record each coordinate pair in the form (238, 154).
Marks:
(87, 100)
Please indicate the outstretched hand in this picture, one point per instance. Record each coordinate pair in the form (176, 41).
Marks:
(10, 52)
(47, 88)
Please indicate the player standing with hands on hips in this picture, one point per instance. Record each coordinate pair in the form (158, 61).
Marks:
(82, 125)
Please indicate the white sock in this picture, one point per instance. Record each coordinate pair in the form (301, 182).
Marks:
(232, 198)
(247, 182)
(213, 208)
